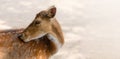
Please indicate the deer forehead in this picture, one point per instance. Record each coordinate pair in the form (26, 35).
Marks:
(42, 19)
(42, 14)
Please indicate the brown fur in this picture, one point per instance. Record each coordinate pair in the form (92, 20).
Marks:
(11, 47)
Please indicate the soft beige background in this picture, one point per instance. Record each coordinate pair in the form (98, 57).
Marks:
(91, 27)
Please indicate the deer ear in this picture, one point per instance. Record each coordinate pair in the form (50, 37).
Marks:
(51, 11)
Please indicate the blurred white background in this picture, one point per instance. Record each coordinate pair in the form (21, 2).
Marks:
(91, 27)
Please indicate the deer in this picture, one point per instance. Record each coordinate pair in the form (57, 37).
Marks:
(40, 40)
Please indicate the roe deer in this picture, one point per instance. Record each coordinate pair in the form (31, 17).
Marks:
(40, 40)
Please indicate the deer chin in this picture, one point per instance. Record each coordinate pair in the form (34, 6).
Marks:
(34, 38)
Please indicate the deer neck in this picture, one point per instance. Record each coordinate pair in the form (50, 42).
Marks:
(56, 36)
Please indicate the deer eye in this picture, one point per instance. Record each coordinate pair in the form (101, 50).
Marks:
(37, 22)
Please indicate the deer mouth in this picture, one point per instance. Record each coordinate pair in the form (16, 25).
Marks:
(21, 36)
(28, 38)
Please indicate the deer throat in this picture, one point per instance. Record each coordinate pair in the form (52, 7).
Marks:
(55, 40)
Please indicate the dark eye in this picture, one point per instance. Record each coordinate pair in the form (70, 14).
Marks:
(37, 22)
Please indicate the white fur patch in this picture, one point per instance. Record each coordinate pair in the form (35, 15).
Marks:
(55, 41)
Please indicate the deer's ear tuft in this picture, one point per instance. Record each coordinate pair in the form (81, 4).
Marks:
(51, 11)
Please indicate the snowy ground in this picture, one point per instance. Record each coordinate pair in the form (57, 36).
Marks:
(91, 27)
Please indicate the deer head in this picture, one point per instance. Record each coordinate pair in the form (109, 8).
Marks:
(40, 26)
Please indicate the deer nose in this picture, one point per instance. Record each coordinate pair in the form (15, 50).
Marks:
(20, 36)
